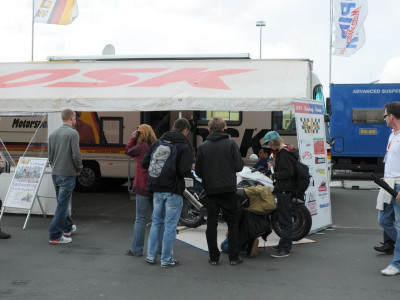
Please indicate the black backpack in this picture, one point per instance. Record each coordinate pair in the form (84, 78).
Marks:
(162, 167)
(302, 178)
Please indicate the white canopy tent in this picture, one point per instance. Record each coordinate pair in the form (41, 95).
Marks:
(151, 85)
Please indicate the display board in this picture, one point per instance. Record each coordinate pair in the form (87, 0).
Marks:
(311, 138)
(25, 183)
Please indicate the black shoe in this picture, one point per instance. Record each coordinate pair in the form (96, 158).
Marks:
(281, 254)
(236, 262)
(385, 248)
(130, 253)
(275, 248)
(4, 235)
(214, 263)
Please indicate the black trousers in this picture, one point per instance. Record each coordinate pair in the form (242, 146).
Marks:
(285, 214)
(227, 202)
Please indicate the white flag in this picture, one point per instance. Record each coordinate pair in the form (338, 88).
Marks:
(61, 12)
(349, 22)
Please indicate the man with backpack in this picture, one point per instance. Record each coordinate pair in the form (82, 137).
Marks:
(284, 182)
(218, 160)
(168, 161)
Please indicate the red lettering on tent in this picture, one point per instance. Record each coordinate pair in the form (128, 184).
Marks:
(48, 75)
(196, 77)
(108, 77)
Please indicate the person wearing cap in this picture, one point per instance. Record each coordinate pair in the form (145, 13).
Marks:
(284, 182)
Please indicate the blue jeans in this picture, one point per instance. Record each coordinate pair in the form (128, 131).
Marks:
(142, 204)
(170, 206)
(61, 222)
(392, 226)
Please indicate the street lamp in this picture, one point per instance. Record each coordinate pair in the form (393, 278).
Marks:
(260, 24)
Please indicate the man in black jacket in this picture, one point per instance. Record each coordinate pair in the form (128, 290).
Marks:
(218, 160)
(167, 199)
(284, 183)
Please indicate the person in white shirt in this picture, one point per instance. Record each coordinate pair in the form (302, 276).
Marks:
(389, 205)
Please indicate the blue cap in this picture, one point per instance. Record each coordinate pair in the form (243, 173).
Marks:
(271, 135)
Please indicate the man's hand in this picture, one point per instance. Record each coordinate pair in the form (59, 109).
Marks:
(398, 197)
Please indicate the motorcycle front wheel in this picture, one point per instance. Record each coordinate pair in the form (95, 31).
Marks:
(190, 215)
(301, 222)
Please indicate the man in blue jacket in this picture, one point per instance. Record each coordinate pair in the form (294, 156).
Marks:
(218, 160)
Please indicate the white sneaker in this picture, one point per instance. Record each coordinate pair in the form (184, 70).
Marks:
(68, 234)
(61, 240)
(390, 271)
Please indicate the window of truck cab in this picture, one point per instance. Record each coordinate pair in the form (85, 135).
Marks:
(284, 122)
(232, 118)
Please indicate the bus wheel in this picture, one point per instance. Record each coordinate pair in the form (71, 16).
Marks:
(90, 178)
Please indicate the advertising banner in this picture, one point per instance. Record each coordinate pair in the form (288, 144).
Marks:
(312, 149)
(25, 183)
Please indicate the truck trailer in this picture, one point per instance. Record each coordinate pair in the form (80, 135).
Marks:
(358, 130)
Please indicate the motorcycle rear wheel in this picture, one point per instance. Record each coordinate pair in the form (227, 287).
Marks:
(190, 215)
(301, 222)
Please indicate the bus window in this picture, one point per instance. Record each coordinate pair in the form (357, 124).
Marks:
(370, 116)
(232, 118)
(283, 120)
(111, 130)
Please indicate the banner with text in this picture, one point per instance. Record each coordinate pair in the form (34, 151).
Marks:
(349, 20)
(312, 149)
(25, 183)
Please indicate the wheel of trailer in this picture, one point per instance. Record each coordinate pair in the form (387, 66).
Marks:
(301, 222)
(90, 179)
(190, 215)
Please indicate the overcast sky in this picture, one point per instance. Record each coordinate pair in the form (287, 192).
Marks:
(294, 29)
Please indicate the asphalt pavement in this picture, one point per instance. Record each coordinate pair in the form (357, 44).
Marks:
(341, 265)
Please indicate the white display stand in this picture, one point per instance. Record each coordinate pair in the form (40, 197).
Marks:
(310, 127)
(24, 186)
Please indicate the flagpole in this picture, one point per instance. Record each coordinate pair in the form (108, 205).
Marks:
(330, 42)
(33, 28)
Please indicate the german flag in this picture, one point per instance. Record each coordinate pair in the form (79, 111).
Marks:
(61, 12)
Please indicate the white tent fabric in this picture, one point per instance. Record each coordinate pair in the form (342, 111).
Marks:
(148, 85)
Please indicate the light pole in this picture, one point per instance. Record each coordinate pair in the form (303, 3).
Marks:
(261, 24)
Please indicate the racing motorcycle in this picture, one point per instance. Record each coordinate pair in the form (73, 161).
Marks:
(194, 211)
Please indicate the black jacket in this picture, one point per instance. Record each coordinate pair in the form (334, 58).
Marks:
(184, 164)
(284, 169)
(218, 160)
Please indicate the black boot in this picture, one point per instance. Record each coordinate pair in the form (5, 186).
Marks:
(4, 235)
(385, 248)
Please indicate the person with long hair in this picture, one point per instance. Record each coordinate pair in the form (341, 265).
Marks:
(137, 147)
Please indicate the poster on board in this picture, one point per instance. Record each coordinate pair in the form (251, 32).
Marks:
(25, 182)
(311, 139)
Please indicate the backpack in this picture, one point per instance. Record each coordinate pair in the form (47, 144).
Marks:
(302, 178)
(162, 167)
